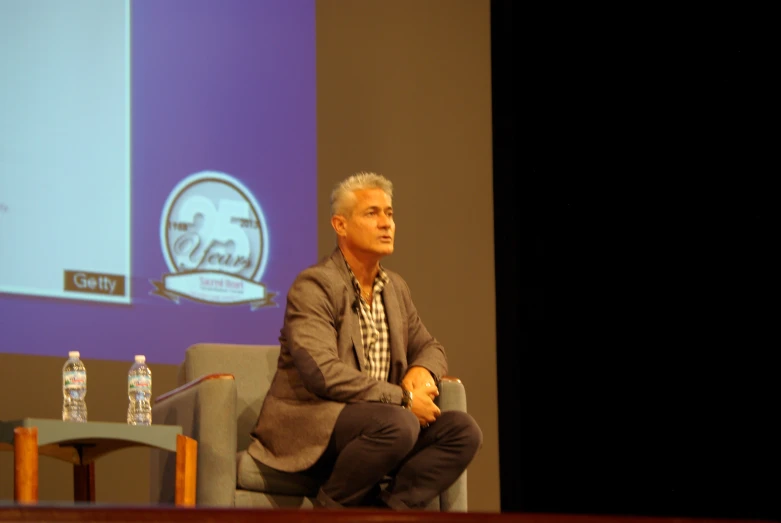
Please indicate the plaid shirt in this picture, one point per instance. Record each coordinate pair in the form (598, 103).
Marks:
(374, 328)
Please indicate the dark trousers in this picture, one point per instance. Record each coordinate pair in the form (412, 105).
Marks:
(374, 440)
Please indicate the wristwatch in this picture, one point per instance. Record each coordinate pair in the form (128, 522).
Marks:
(406, 398)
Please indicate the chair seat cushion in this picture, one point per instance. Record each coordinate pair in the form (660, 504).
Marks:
(255, 476)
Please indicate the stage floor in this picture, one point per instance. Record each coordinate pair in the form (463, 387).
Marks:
(95, 513)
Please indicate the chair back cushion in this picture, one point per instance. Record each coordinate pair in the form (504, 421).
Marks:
(253, 366)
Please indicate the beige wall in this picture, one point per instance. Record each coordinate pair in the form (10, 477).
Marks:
(403, 89)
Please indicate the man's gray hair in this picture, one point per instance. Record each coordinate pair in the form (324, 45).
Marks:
(342, 197)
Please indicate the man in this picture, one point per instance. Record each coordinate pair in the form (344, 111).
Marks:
(352, 398)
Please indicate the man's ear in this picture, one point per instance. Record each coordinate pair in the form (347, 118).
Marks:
(339, 223)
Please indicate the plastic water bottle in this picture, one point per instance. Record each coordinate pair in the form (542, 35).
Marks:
(139, 393)
(74, 389)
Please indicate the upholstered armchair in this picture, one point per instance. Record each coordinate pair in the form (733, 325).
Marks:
(222, 390)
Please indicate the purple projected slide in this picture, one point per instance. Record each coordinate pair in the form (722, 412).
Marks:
(164, 182)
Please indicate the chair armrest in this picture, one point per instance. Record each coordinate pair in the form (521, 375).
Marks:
(452, 396)
(206, 410)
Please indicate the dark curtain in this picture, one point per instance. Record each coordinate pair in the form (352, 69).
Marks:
(635, 238)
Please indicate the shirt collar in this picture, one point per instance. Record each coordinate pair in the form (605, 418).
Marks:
(379, 281)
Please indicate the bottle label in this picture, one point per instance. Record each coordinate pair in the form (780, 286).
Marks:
(139, 384)
(74, 379)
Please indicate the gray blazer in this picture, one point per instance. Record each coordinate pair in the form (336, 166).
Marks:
(321, 363)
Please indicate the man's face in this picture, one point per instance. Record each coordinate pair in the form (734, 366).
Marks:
(370, 229)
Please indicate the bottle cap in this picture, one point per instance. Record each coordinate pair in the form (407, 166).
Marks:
(140, 358)
(74, 354)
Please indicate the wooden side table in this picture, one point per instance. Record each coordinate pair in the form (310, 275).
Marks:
(82, 443)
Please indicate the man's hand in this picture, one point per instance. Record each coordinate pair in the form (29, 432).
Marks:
(423, 406)
(419, 381)
(420, 378)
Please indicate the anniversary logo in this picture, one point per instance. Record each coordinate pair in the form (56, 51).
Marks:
(214, 240)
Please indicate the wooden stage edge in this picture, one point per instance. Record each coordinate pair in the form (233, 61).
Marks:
(96, 513)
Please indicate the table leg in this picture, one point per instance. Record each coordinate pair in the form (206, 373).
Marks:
(186, 470)
(84, 482)
(26, 464)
